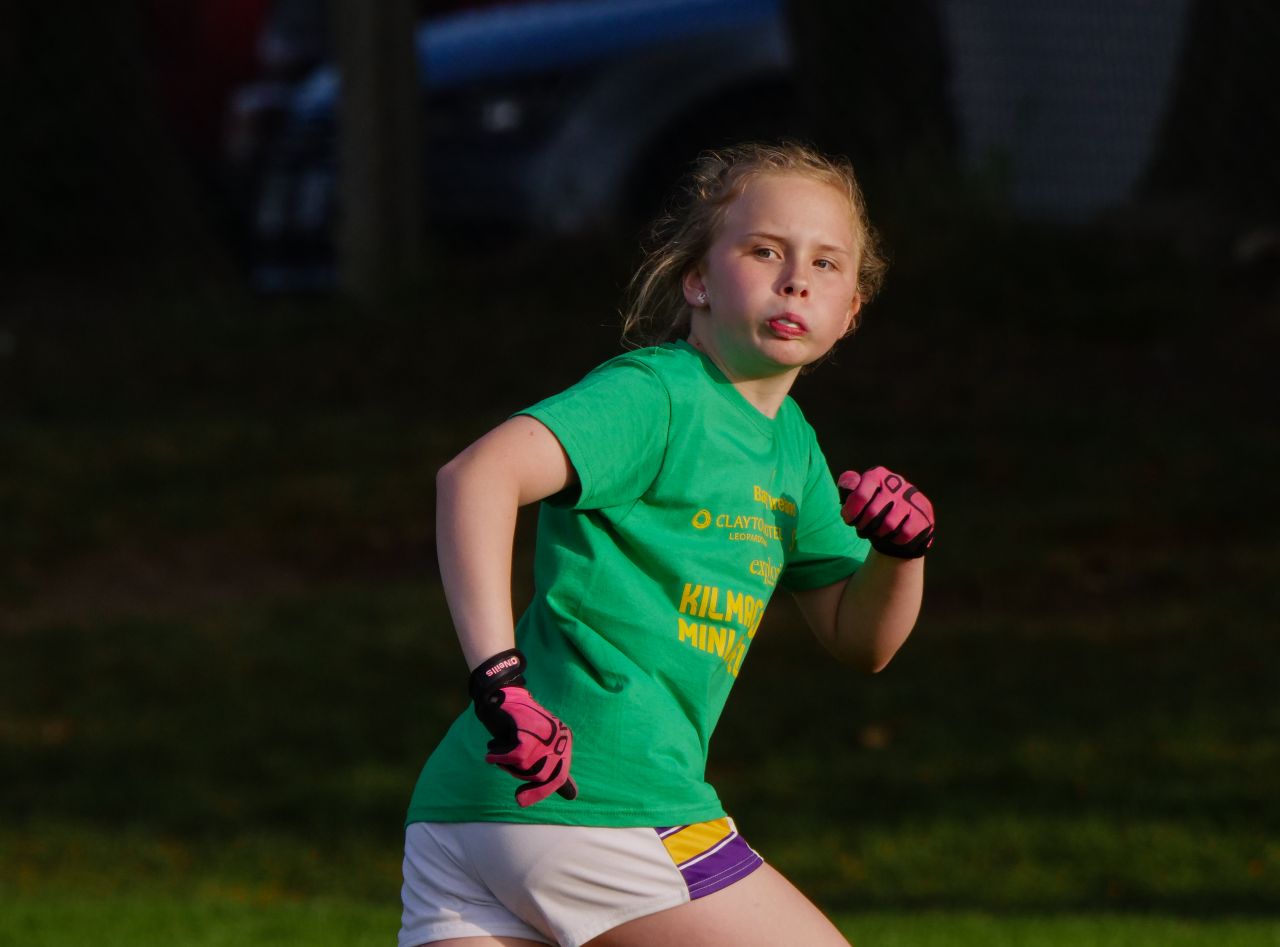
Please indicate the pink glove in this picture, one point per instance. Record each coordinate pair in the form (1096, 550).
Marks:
(537, 747)
(887, 510)
(528, 741)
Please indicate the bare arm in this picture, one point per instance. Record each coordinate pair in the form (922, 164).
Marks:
(477, 496)
(864, 620)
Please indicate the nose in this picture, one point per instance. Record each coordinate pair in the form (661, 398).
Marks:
(794, 283)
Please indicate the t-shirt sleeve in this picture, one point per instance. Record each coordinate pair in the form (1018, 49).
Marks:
(826, 548)
(613, 425)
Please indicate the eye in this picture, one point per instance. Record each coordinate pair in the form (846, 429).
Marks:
(825, 264)
(766, 253)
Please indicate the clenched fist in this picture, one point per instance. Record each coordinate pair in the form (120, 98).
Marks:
(888, 511)
(529, 742)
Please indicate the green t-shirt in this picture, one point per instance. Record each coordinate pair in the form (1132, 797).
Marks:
(650, 582)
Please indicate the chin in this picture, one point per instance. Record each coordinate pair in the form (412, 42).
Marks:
(790, 355)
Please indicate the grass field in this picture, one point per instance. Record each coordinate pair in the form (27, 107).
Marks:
(225, 651)
(223, 921)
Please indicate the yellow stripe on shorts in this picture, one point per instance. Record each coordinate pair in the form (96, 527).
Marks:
(692, 840)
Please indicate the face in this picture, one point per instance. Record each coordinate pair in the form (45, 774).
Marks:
(780, 279)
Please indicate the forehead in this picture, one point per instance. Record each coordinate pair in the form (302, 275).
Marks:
(793, 205)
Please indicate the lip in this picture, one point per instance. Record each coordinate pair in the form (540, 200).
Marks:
(786, 331)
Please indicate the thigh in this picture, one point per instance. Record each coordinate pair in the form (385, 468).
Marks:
(761, 910)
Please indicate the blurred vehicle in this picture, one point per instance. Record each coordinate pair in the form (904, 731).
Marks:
(552, 117)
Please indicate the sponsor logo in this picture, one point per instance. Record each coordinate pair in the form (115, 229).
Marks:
(502, 666)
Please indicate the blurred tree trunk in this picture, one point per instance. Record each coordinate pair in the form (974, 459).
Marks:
(380, 226)
(873, 75)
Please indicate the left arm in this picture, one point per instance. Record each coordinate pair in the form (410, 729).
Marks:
(863, 620)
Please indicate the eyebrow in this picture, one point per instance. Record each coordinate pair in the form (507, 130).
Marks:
(823, 247)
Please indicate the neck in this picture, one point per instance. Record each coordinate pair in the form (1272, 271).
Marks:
(765, 391)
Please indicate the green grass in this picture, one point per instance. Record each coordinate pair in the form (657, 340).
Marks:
(225, 652)
(946, 929)
(964, 777)
(214, 918)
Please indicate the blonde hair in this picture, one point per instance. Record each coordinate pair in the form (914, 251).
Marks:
(656, 309)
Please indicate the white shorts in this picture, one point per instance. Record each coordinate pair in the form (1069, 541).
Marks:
(560, 884)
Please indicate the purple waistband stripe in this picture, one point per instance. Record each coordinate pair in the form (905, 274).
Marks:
(710, 855)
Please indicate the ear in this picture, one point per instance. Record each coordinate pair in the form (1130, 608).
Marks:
(851, 317)
(693, 288)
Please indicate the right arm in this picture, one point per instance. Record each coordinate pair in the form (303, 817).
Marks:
(477, 496)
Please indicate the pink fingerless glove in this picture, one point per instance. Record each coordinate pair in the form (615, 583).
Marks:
(887, 510)
(528, 741)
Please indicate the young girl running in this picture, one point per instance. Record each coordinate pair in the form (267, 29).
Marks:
(680, 486)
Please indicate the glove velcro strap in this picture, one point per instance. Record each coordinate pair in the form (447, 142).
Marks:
(504, 669)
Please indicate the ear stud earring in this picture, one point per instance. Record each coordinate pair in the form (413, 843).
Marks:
(702, 299)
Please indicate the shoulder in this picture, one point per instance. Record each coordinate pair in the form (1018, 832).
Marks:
(629, 389)
(630, 378)
(669, 369)
(669, 359)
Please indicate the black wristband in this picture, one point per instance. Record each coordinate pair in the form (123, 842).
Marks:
(912, 550)
(504, 669)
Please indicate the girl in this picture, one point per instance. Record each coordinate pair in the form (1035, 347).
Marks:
(680, 485)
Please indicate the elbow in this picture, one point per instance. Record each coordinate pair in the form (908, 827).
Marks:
(452, 481)
(447, 474)
(872, 657)
(452, 473)
(867, 663)
(446, 479)
(877, 665)
(859, 650)
(864, 653)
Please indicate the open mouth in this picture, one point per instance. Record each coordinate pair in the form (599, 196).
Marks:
(786, 327)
